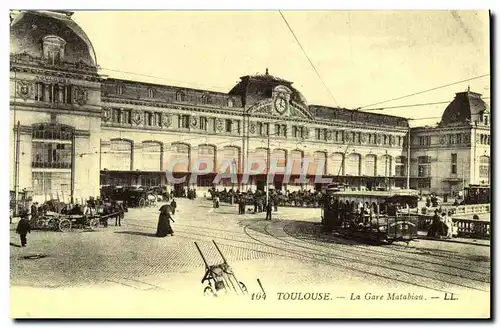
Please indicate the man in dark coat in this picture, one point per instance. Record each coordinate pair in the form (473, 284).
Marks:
(269, 210)
(121, 214)
(34, 212)
(435, 229)
(23, 228)
(241, 204)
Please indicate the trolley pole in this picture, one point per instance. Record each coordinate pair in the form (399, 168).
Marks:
(16, 177)
(243, 149)
(267, 165)
(408, 159)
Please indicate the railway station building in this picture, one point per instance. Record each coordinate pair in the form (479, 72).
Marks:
(74, 130)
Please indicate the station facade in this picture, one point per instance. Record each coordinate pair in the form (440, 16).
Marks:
(73, 130)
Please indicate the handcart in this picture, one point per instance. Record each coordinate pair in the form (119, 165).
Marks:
(220, 277)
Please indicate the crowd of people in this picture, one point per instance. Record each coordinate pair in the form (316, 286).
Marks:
(302, 198)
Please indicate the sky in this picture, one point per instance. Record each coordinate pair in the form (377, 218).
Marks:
(362, 57)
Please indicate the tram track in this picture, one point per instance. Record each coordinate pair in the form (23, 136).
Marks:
(353, 244)
(409, 250)
(344, 250)
(322, 253)
(326, 256)
(209, 238)
(370, 264)
(301, 255)
(390, 253)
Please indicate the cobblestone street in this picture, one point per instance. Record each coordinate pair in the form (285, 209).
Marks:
(285, 253)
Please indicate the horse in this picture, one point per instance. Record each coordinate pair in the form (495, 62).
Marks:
(151, 199)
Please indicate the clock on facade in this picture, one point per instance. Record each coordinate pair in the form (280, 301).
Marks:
(280, 104)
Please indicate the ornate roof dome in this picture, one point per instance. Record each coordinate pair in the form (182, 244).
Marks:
(254, 87)
(466, 108)
(29, 29)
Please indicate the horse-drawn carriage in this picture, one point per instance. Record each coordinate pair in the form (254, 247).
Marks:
(130, 196)
(75, 216)
(380, 216)
(65, 222)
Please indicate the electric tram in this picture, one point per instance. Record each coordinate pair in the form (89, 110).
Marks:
(379, 216)
(477, 194)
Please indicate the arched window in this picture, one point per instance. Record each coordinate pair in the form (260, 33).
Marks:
(151, 156)
(370, 165)
(151, 93)
(384, 166)
(352, 164)
(177, 158)
(295, 161)
(229, 155)
(119, 89)
(230, 102)
(117, 156)
(318, 164)
(180, 96)
(206, 155)
(336, 167)
(53, 49)
(278, 158)
(259, 156)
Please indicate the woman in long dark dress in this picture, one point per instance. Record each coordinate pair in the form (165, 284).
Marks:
(164, 227)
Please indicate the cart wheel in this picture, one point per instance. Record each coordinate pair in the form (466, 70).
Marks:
(65, 225)
(94, 224)
(208, 291)
(243, 288)
(40, 223)
(142, 202)
(52, 224)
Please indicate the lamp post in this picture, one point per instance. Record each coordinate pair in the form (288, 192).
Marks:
(463, 177)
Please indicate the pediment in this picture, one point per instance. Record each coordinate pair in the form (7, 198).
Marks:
(280, 107)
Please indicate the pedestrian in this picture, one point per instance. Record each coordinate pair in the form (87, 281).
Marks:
(34, 212)
(121, 214)
(241, 204)
(164, 228)
(435, 229)
(23, 228)
(448, 223)
(173, 205)
(269, 210)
